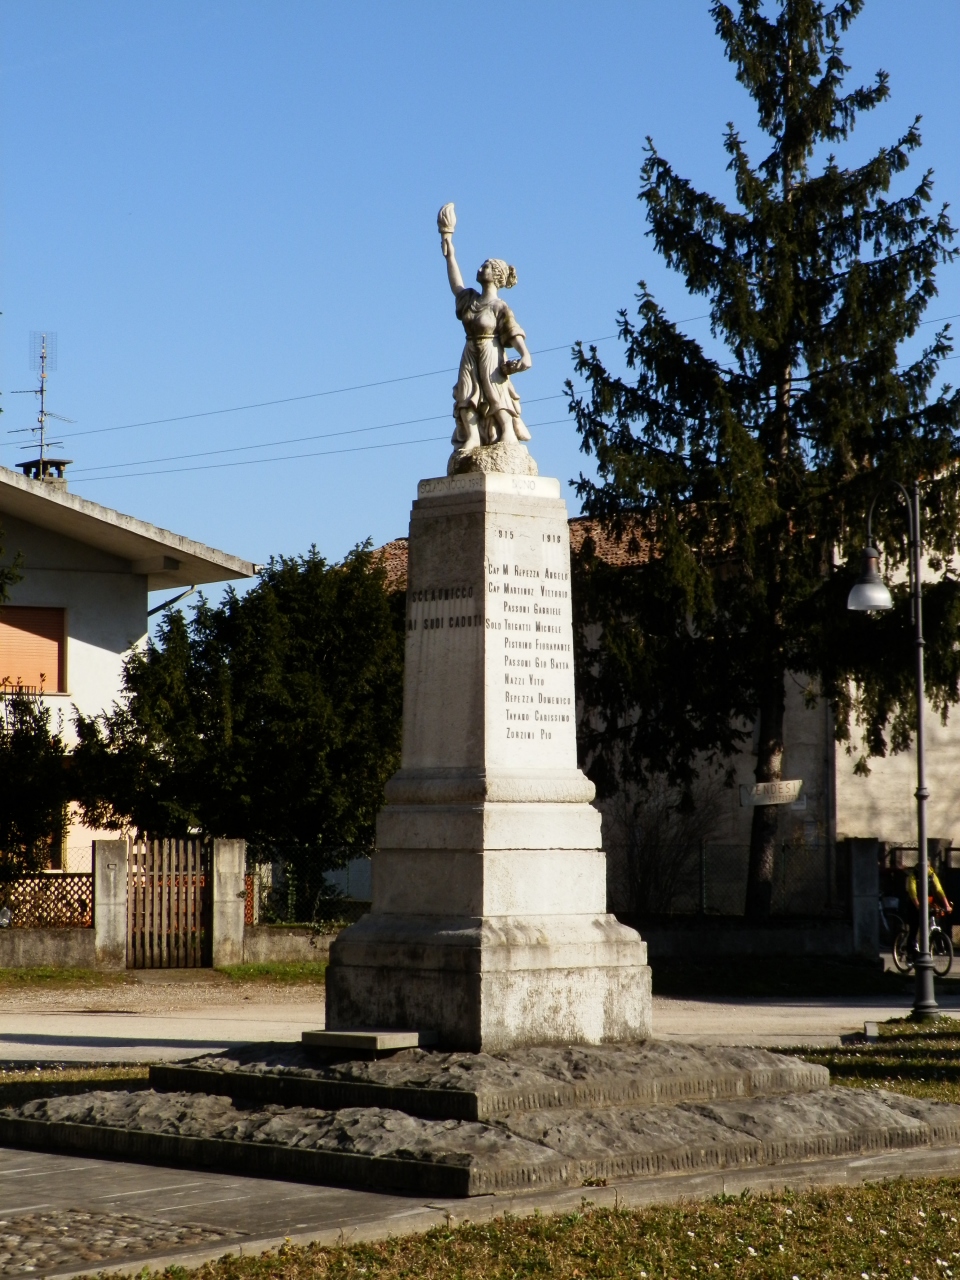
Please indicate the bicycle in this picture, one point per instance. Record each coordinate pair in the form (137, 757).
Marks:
(891, 922)
(941, 947)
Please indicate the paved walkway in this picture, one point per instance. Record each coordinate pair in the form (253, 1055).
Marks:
(42, 1197)
(64, 1216)
(98, 1035)
(772, 1023)
(165, 1017)
(182, 1020)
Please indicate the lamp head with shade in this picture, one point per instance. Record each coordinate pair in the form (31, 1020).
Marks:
(869, 592)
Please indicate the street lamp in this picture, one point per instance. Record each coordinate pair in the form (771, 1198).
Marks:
(868, 593)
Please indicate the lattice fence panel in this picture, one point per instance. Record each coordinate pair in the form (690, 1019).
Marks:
(61, 900)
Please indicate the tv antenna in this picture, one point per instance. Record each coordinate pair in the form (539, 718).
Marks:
(43, 359)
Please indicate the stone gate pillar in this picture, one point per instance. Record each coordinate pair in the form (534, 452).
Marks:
(110, 903)
(229, 901)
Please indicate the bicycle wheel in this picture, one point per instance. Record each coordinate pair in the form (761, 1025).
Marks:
(901, 953)
(941, 951)
(894, 927)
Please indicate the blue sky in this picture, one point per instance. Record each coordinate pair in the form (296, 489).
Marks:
(220, 204)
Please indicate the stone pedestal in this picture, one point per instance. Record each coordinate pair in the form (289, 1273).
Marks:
(488, 924)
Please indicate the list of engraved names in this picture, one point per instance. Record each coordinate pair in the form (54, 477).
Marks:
(528, 607)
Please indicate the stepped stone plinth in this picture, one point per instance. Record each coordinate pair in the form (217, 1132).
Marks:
(432, 1123)
(488, 925)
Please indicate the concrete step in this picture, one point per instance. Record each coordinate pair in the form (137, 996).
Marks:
(480, 1086)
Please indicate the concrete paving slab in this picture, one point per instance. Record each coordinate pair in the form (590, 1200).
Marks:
(372, 1042)
(241, 1209)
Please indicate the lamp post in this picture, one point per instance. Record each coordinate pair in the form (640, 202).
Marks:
(868, 593)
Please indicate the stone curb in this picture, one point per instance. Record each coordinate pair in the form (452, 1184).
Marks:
(259, 1159)
(459, 1104)
(918, 1163)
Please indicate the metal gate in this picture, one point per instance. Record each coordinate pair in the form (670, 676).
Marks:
(169, 904)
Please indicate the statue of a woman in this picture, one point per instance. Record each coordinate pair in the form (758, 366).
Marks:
(486, 405)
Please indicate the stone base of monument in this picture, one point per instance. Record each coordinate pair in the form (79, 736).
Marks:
(488, 925)
(494, 981)
(455, 1124)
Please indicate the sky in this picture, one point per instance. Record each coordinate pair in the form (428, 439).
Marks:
(221, 205)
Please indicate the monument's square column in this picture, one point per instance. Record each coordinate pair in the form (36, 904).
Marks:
(488, 923)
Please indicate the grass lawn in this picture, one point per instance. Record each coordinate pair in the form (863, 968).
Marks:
(898, 1230)
(919, 1059)
(302, 971)
(51, 976)
(19, 1085)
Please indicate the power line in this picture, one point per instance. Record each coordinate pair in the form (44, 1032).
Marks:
(293, 457)
(334, 391)
(275, 444)
(311, 395)
(360, 386)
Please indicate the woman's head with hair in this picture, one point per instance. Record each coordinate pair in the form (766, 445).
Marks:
(501, 273)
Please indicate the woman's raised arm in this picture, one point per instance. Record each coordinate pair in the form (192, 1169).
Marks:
(446, 222)
(453, 270)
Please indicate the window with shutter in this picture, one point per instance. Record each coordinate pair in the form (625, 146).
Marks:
(33, 648)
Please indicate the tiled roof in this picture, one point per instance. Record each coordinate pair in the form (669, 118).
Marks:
(394, 556)
(628, 550)
(632, 548)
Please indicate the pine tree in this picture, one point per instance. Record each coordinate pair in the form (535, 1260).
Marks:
(749, 476)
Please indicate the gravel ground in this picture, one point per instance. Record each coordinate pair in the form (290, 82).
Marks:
(67, 1238)
(157, 997)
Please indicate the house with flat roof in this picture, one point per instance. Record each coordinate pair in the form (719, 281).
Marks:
(81, 604)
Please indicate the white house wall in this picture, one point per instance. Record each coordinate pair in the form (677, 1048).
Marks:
(106, 611)
(105, 617)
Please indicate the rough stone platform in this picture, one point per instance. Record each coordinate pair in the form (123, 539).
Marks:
(482, 1086)
(532, 1120)
(526, 1150)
